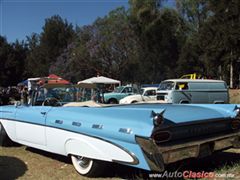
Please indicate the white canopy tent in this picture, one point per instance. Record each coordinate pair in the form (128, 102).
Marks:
(100, 80)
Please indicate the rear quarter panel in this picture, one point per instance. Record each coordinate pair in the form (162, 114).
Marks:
(85, 140)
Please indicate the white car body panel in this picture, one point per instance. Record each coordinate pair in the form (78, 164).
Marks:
(78, 144)
(33, 133)
(64, 142)
(10, 128)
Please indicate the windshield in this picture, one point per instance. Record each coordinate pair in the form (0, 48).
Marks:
(167, 85)
(118, 89)
(64, 94)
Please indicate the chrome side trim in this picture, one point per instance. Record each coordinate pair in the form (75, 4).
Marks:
(58, 121)
(74, 123)
(151, 153)
(97, 126)
(125, 130)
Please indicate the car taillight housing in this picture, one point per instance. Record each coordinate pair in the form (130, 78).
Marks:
(161, 136)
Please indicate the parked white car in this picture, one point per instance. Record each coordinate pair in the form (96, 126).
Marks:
(147, 94)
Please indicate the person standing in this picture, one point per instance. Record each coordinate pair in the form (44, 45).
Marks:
(24, 96)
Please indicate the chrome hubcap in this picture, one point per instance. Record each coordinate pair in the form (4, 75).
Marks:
(83, 162)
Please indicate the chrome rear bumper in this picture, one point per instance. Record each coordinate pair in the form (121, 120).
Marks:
(158, 156)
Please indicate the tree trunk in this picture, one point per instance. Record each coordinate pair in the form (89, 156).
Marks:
(231, 74)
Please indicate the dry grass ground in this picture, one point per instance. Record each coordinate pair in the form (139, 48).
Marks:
(26, 163)
(234, 95)
(22, 162)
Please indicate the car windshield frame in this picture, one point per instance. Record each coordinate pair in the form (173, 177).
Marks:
(64, 94)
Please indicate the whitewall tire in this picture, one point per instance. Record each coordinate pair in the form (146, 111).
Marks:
(87, 167)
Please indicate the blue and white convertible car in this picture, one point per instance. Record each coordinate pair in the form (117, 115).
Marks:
(146, 136)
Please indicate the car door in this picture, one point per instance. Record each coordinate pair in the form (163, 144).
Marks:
(182, 93)
(126, 92)
(30, 124)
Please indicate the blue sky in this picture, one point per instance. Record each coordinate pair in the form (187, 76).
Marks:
(19, 18)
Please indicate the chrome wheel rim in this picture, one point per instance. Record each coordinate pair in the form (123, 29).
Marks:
(82, 165)
(83, 162)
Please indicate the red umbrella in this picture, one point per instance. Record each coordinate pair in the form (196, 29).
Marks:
(54, 79)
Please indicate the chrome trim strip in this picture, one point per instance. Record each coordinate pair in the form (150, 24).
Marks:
(97, 126)
(125, 130)
(151, 153)
(59, 121)
(74, 123)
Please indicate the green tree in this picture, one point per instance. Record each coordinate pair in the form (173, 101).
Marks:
(33, 43)
(5, 50)
(114, 45)
(12, 61)
(161, 34)
(46, 47)
(213, 38)
(195, 14)
(190, 59)
(220, 39)
(107, 47)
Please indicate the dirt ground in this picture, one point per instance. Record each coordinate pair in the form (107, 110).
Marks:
(21, 162)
